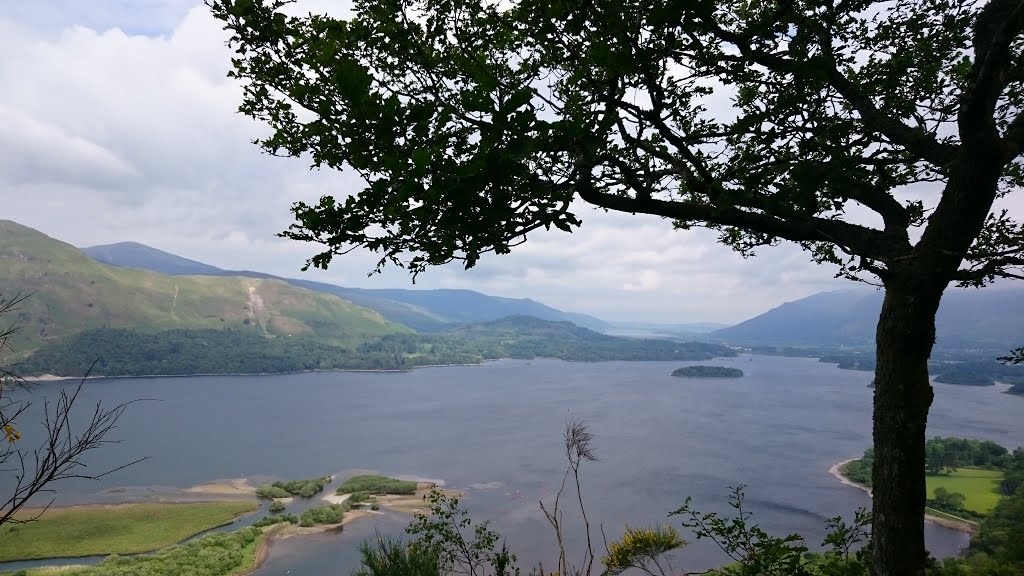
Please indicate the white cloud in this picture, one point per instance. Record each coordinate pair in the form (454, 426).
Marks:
(121, 125)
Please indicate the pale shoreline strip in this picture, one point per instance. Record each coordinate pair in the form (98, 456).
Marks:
(962, 526)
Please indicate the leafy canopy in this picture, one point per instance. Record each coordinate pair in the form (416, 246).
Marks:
(475, 122)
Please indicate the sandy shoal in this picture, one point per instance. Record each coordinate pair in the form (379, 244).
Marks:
(232, 487)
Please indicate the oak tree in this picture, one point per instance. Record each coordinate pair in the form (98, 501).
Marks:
(476, 122)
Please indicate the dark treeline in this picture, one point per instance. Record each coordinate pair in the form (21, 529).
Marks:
(944, 455)
(964, 367)
(947, 454)
(123, 352)
(119, 352)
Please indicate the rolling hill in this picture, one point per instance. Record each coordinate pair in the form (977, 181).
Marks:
(989, 318)
(421, 310)
(529, 337)
(71, 292)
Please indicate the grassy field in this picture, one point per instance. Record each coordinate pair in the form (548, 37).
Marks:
(980, 487)
(115, 529)
(218, 554)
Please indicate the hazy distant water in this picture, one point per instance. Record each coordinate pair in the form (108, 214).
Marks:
(494, 430)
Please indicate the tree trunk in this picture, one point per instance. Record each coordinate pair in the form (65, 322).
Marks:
(903, 395)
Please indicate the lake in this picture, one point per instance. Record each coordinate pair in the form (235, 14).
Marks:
(494, 431)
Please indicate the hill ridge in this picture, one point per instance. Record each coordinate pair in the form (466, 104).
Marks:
(71, 292)
(423, 310)
(992, 317)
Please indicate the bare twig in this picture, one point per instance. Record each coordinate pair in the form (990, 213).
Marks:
(59, 456)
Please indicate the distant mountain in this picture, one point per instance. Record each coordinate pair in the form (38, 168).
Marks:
(135, 255)
(662, 328)
(697, 331)
(990, 318)
(421, 310)
(462, 306)
(71, 292)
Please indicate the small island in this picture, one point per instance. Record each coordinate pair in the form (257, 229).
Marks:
(707, 372)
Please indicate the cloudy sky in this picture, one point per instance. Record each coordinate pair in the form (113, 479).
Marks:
(117, 123)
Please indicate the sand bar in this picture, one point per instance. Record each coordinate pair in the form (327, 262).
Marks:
(232, 487)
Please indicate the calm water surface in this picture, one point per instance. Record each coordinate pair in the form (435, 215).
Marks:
(495, 432)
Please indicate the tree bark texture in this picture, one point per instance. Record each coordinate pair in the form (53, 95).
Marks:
(903, 395)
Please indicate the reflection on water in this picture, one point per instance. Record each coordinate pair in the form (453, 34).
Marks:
(495, 432)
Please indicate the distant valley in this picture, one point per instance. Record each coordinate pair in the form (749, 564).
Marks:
(990, 318)
(202, 320)
(141, 310)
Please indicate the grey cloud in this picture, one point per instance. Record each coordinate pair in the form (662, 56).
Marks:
(32, 151)
(114, 136)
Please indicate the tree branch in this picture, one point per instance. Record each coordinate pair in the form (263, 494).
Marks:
(997, 267)
(997, 26)
(1013, 138)
(860, 240)
(914, 140)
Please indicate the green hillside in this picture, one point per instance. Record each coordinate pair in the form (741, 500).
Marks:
(71, 292)
(421, 310)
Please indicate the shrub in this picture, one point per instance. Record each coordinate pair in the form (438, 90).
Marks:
(329, 514)
(948, 501)
(277, 506)
(270, 491)
(641, 548)
(305, 488)
(361, 497)
(276, 519)
(389, 557)
(373, 484)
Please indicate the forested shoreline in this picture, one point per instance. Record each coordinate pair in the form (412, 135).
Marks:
(947, 366)
(125, 352)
